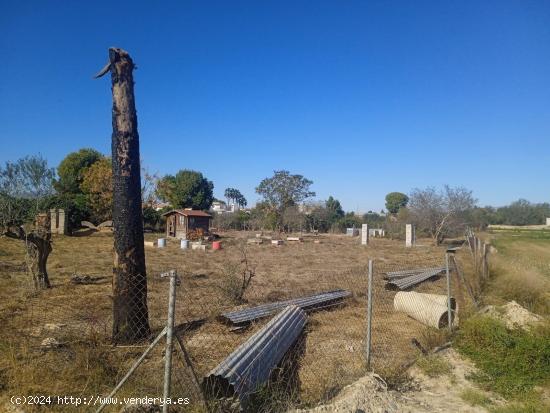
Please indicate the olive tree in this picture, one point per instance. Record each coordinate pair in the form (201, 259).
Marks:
(23, 184)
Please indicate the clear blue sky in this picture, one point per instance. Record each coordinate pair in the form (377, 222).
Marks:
(362, 97)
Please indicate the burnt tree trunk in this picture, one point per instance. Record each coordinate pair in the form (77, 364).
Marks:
(130, 313)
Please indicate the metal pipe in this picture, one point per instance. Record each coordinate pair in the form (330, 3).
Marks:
(369, 314)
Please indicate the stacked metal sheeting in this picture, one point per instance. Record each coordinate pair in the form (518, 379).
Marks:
(250, 365)
(408, 278)
(317, 301)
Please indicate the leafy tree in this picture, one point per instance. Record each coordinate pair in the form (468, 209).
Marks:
(522, 212)
(282, 191)
(76, 206)
(395, 201)
(349, 220)
(187, 189)
(293, 220)
(320, 218)
(263, 216)
(441, 212)
(373, 219)
(152, 219)
(97, 185)
(71, 170)
(334, 208)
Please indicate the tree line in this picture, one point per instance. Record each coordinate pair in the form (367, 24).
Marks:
(82, 185)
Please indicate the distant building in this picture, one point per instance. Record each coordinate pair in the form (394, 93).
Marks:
(157, 206)
(220, 207)
(180, 221)
(307, 208)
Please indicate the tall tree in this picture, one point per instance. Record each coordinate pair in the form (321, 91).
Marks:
(97, 185)
(187, 189)
(396, 201)
(72, 168)
(283, 191)
(232, 194)
(335, 209)
(130, 312)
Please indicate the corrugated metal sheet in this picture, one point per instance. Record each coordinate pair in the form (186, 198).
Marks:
(250, 365)
(408, 273)
(321, 300)
(404, 283)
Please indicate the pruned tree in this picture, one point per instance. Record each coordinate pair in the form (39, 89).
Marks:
(440, 212)
(130, 312)
(23, 184)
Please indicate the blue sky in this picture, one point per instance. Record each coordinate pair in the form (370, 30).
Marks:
(362, 97)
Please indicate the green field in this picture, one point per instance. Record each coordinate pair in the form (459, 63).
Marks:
(521, 269)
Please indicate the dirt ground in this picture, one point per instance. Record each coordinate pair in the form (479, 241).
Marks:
(428, 394)
(78, 316)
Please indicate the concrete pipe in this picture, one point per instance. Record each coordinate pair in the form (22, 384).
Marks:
(429, 309)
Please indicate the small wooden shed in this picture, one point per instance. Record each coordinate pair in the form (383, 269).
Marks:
(180, 221)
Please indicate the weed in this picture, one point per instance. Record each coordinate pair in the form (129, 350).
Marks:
(530, 406)
(475, 398)
(397, 378)
(511, 362)
(432, 337)
(434, 365)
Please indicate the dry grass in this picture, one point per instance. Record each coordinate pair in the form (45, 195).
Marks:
(521, 270)
(87, 364)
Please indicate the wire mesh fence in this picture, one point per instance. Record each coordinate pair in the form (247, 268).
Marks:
(409, 309)
(59, 341)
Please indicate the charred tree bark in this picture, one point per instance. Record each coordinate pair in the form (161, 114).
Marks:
(130, 313)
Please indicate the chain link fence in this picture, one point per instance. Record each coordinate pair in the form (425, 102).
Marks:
(58, 341)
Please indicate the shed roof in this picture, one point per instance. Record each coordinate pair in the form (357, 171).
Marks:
(188, 213)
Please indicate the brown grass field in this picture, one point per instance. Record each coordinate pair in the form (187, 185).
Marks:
(86, 363)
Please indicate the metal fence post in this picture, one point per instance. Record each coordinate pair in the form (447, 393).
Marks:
(448, 273)
(131, 371)
(369, 315)
(169, 339)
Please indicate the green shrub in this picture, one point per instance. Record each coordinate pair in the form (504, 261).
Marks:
(511, 361)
